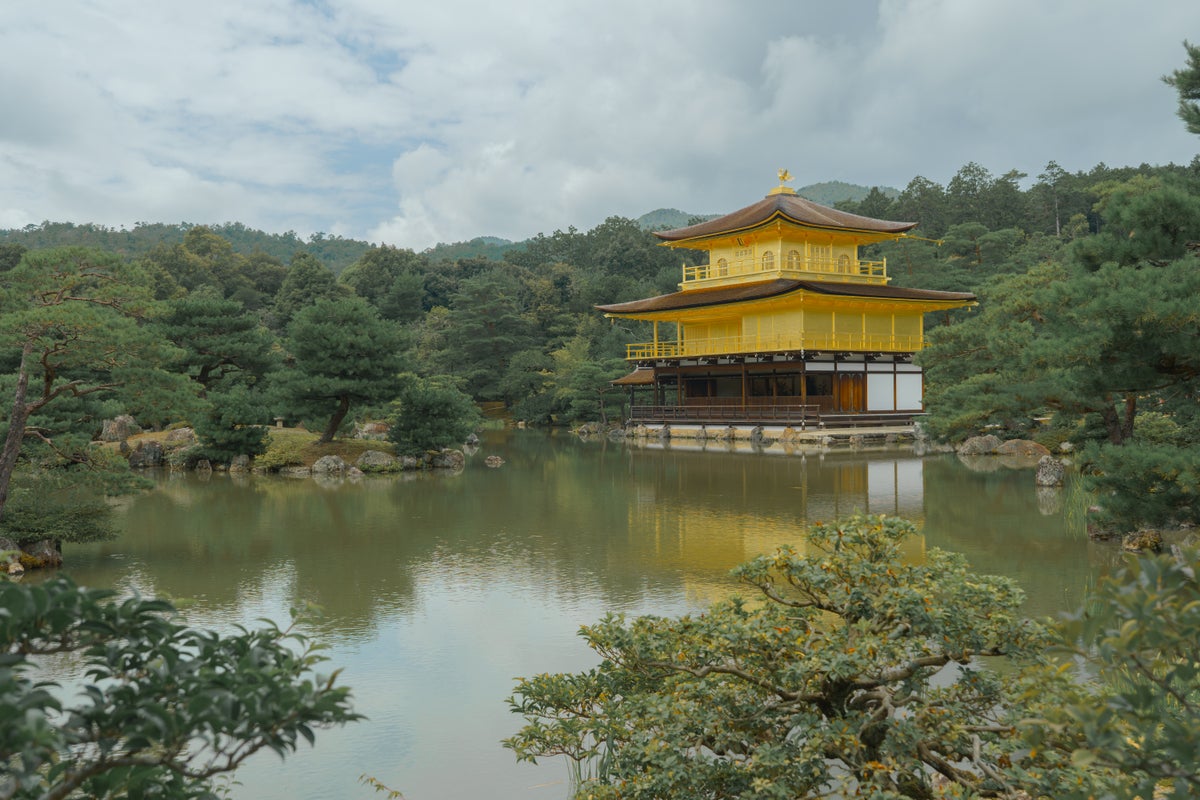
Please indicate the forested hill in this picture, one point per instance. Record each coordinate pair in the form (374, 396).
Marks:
(336, 252)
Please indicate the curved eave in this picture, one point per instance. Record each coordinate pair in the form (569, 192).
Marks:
(697, 242)
(680, 304)
(795, 210)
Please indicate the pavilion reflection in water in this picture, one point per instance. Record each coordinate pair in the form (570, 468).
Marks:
(691, 527)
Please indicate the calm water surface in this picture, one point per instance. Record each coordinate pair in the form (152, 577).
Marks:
(439, 589)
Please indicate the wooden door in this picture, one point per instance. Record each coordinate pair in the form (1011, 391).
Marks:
(850, 392)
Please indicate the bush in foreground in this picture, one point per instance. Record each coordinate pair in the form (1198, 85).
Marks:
(165, 708)
(851, 674)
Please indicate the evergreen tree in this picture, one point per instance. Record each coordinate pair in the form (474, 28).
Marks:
(429, 414)
(307, 281)
(1187, 82)
(234, 424)
(341, 354)
(73, 315)
(220, 342)
(484, 330)
(390, 279)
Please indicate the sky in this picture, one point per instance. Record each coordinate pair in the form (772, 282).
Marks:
(414, 123)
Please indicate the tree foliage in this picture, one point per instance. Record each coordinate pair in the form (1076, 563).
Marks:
(165, 708)
(340, 354)
(430, 414)
(1097, 337)
(74, 318)
(220, 342)
(1187, 82)
(307, 281)
(485, 329)
(390, 279)
(234, 424)
(1139, 635)
(823, 686)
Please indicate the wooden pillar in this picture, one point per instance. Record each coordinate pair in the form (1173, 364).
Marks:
(803, 386)
(745, 389)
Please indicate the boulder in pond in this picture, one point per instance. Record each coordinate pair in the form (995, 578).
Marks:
(494, 461)
(448, 459)
(10, 562)
(43, 553)
(329, 465)
(979, 446)
(1050, 471)
(377, 461)
(118, 429)
(146, 454)
(1144, 541)
(1021, 447)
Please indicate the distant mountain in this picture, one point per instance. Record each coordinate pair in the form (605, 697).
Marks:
(830, 192)
(827, 194)
(492, 247)
(666, 219)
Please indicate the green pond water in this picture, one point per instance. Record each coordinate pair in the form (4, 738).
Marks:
(439, 589)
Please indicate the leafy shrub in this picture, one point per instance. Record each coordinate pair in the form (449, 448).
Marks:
(282, 451)
(429, 414)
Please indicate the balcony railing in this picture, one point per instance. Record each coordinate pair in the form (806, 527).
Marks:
(842, 267)
(730, 345)
(777, 413)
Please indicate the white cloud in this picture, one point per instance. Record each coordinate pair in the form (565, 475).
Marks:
(414, 124)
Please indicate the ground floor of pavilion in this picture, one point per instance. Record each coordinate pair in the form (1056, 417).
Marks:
(801, 390)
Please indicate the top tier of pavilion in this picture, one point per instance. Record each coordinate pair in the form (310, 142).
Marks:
(784, 236)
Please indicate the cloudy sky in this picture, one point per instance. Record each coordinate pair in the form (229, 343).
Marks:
(412, 123)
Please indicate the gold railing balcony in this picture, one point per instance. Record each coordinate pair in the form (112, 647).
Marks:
(740, 345)
(841, 267)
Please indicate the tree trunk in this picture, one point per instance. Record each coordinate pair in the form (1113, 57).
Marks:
(1119, 427)
(16, 429)
(1130, 414)
(335, 421)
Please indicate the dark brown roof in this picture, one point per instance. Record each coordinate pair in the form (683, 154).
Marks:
(766, 289)
(791, 207)
(639, 377)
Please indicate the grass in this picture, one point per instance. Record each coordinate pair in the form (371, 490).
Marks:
(291, 447)
(298, 447)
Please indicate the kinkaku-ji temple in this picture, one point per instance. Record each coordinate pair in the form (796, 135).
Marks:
(785, 325)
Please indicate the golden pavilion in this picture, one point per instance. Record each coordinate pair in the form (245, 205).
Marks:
(785, 325)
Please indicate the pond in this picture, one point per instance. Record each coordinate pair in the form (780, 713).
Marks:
(438, 590)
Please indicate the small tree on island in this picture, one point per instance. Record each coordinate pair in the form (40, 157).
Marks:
(165, 708)
(341, 354)
(853, 673)
(429, 414)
